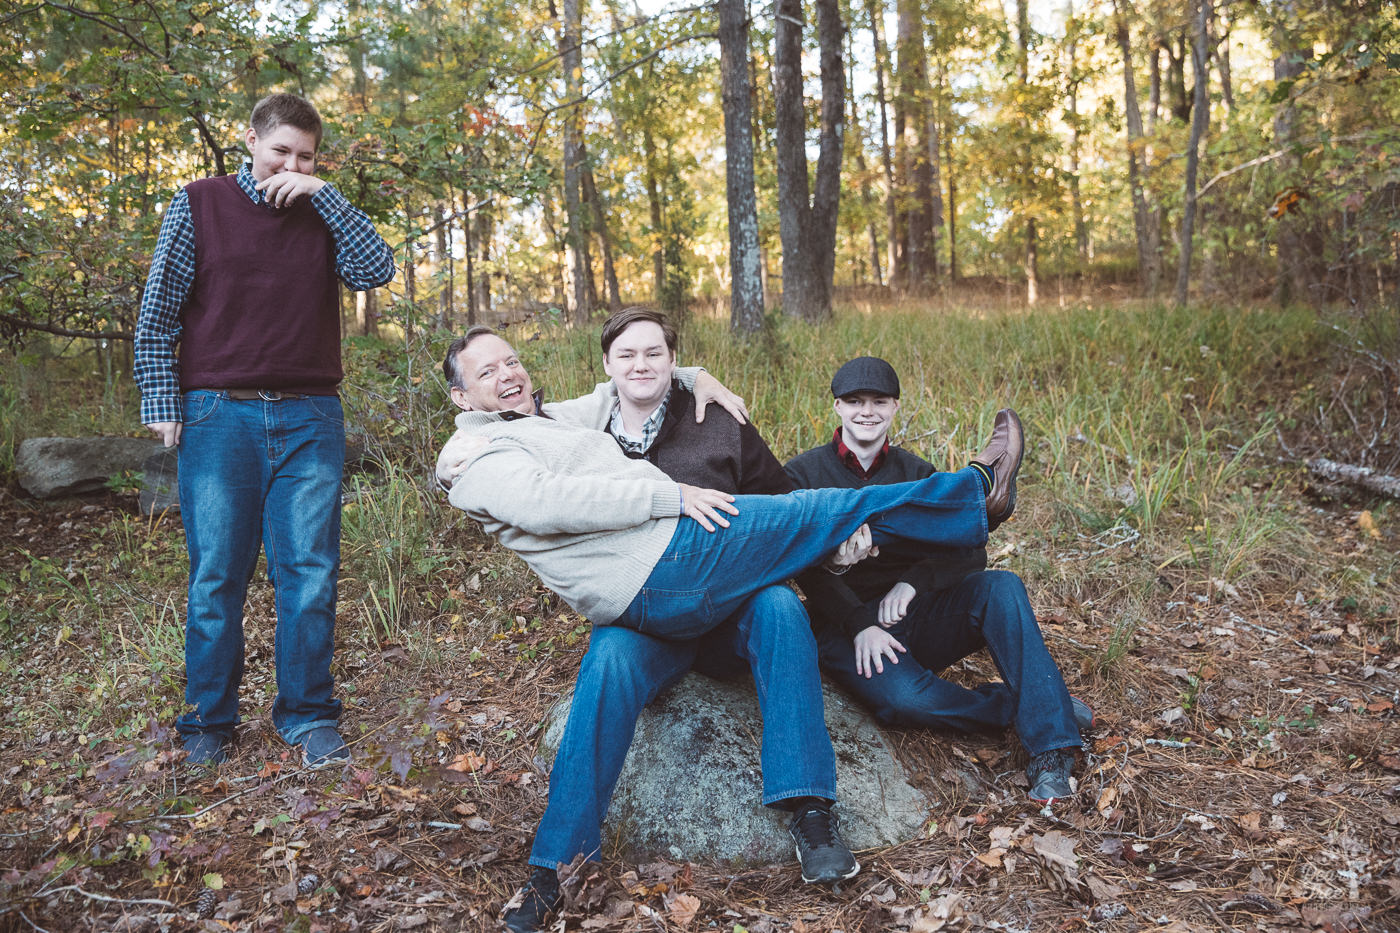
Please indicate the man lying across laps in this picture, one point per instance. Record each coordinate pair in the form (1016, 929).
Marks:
(606, 532)
(897, 617)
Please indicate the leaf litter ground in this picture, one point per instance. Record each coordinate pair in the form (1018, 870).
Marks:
(1244, 772)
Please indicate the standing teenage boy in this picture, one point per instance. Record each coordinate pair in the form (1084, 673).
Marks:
(896, 618)
(243, 280)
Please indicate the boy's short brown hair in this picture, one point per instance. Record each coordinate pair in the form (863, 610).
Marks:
(275, 110)
(615, 325)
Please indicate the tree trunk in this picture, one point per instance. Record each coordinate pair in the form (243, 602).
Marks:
(950, 170)
(746, 280)
(1200, 62)
(1221, 46)
(1149, 256)
(1294, 281)
(367, 313)
(1081, 228)
(443, 250)
(1023, 69)
(867, 198)
(485, 229)
(577, 270)
(598, 218)
(808, 228)
(892, 241)
(935, 189)
(653, 186)
(1174, 45)
(911, 126)
(468, 251)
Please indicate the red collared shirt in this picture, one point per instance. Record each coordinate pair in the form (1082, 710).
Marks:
(852, 462)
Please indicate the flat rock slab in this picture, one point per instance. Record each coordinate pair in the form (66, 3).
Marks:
(692, 785)
(48, 467)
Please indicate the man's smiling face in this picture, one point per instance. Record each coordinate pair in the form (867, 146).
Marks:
(493, 378)
(866, 417)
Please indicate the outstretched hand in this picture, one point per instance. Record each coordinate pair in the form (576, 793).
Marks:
(873, 645)
(707, 506)
(709, 389)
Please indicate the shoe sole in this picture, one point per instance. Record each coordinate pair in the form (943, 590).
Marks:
(1016, 469)
(855, 869)
(324, 762)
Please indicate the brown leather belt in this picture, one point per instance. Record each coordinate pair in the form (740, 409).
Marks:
(248, 395)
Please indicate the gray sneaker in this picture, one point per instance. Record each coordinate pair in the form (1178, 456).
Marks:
(1049, 774)
(205, 749)
(1083, 714)
(821, 852)
(323, 747)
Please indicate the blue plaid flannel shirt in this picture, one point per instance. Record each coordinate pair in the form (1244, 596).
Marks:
(650, 428)
(362, 260)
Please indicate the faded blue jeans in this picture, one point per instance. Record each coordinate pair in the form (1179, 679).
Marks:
(261, 473)
(624, 670)
(985, 610)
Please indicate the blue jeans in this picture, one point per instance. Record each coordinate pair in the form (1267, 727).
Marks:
(986, 610)
(260, 472)
(703, 577)
(624, 670)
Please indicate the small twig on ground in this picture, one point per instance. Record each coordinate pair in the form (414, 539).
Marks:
(112, 900)
(30, 922)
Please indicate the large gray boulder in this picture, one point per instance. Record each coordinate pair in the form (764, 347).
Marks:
(63, 466)
(160, 482)
(692, 786)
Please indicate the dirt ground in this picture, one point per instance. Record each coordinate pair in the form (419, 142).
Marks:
(1244, 773)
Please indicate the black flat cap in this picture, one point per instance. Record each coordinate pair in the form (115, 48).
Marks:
(865, 374)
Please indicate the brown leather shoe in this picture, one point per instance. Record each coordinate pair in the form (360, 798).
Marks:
(1002, 458)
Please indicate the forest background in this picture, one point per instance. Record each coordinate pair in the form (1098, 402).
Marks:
(1167, 232)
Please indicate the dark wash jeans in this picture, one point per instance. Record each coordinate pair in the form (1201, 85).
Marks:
(986, 610)
(261, 473)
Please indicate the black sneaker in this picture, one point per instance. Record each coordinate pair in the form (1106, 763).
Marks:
(539, 900)
(1049, 774)
(821, 852)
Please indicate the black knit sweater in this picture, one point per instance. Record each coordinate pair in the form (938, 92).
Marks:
(851, 602)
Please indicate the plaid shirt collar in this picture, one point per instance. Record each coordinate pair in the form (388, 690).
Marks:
(852, 462)
(650, 429)
(248, 183)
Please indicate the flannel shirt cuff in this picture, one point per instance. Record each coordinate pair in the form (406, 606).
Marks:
(161, 408)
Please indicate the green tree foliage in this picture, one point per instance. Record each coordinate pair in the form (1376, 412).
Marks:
(444, 122)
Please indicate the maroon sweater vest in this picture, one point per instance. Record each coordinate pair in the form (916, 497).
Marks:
(264, 312)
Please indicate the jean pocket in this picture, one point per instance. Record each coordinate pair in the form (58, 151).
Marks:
(200, 406)
(326, 408)
(676, 613)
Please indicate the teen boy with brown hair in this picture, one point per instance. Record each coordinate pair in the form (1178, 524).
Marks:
(244, 283)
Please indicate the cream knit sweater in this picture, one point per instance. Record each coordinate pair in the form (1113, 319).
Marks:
(590, 522)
